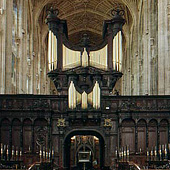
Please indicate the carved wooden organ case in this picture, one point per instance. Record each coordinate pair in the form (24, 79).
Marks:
(84, 71)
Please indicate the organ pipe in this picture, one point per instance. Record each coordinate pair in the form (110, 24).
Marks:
(70, 58)
(99, 58)
(84, 58)
(52, 51)
(84, 103)
(72, 96)
(96, 96)
(117, 52)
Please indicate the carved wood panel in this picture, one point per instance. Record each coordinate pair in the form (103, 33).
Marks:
(163, 130)
(152, 136)
(128, 133)
(5, 132)
(40, 134)
(16, 136)
(141, 139)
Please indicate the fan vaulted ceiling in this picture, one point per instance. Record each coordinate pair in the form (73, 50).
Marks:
(85, 16)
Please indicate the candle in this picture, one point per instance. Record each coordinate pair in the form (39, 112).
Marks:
(52, 153)
(155, 151)
(2, 151)
(49, 155)
(140, 150)
(7, 152)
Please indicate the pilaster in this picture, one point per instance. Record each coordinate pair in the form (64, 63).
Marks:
(163, 58)
(8, 47)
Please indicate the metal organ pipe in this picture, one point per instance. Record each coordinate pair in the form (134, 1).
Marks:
(117, 52)
(71, 58)
(96, 96)
(99, 58)
(52, 51)
(72, 96)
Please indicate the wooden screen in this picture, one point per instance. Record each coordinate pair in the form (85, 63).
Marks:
(5, 128)
(152, 134)
(27, 135)
(128, 134)
(163, 129)
(40, 134)
(141, 135)
(16, 132)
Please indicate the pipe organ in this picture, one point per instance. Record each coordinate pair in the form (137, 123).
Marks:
(117, 52)
(52, 51)
(75, 98)
(71, 58)
(93, 70)
(72, 96)
(99, 58)
(85, 59)
(96, 96)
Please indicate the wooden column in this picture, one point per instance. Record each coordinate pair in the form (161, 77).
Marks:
(32, 138)
(8, 47)
(147, 139)
(49, 134)
(136, 138)
(0, 133)
(110, 49)
(59, 51)
(21, 137)
(10, 139)
(168, 133)
(119, 136)
(163, 57)
(158, 135)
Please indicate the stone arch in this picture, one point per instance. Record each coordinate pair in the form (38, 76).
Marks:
(74, 132)
(130, 5)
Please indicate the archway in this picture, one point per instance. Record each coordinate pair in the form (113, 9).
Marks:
(84, 149)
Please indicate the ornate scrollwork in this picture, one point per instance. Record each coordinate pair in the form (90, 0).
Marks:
(40, 104)
(41, 135)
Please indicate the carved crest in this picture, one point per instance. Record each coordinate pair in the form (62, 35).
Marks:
(61, 122)
(107, 123)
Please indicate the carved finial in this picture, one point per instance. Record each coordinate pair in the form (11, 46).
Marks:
(117, 12)
(85, 40)
(52, 12)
